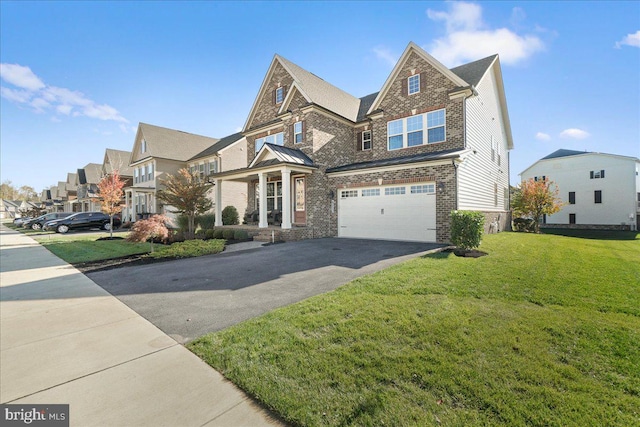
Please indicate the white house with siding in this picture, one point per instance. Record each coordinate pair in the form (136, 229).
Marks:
(599, 190)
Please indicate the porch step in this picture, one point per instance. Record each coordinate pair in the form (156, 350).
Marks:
(268, 236)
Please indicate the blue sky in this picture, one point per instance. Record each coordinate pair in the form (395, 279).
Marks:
(77, 77)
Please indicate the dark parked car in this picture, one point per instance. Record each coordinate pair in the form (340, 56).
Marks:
(19, 221)
(82, 220)
(37, 223)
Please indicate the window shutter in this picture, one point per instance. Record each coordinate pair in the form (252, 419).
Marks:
(602, 173)
(292, 132)
(423, 82)
(359, 141)
(304, 131)
(591, 175)
(405, 87)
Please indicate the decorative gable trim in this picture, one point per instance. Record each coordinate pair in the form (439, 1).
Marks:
(413, 48)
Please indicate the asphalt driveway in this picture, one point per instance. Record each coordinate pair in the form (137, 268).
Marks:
(189, 298)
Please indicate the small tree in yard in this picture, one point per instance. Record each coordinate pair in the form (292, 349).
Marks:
(230, 216)
(110, 190)
(466, 229)
(149, 229)
(535, 199)
(188, 194)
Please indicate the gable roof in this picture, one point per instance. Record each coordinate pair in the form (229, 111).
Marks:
(72, 181)
(396, 161)
(414, 48)
(117, 159)
(271, 154)
(473, 72)
(90, 174)
(314, 89)
(218, 146)
(168, 143)
(563, 153)
(365, 104)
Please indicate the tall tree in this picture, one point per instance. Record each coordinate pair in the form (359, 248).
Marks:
(8, 191)
(188, 194)
(535, 199)
(110, 191)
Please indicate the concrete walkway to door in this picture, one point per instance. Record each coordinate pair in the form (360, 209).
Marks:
(65, 340)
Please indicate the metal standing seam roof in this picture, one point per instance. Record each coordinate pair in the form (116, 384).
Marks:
(396, 161)
(284, 155)
(172, 144)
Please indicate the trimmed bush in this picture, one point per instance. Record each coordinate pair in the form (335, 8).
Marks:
(183, 222)
(240, 235)
(466, 229)
(228, 234)
(230, 216)
(207, 221)
(208, 234)
(190, 248)
(200, 234)
(218, 233)
(523, 224)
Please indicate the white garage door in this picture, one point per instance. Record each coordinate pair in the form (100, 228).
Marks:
(397, 212)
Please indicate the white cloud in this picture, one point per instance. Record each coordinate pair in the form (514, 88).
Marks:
(574, 133)
(386, 55)
(33, 93)
(468, 38)
(543, 136)
(629, 40)
(20, 76)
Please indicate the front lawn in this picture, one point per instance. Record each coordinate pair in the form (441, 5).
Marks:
(545, 330)
(76, 249)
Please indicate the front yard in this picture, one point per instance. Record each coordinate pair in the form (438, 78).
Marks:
(542, 331)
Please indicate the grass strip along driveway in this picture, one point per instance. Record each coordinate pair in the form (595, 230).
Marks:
(542, 331)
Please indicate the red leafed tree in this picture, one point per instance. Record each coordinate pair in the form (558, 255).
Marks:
(110, 190)
(149, 229)
(536, 198)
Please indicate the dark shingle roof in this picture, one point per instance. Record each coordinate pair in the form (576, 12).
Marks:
(289, 155)
(473, 71)
(365, 104)
(415, 158)
(563, 153)
(222, 143)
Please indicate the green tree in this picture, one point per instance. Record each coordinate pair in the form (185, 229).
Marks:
(187, 194)
(110, 191)
(534, 199)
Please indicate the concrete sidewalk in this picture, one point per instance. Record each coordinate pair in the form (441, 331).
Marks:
(63, 339)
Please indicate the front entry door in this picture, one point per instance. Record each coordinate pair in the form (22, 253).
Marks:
(300, 205)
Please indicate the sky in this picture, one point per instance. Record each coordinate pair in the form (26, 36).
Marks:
(77, 77)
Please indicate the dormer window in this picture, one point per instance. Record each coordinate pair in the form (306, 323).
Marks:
(279, 97)
(414, 84)
(143, 146)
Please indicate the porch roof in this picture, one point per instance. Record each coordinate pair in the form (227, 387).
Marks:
(399, 161)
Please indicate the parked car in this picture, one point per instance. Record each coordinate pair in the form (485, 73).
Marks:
(37, 223)
(19, 221)
(82, 220)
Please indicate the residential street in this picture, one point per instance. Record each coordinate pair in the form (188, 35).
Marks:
(189, 298)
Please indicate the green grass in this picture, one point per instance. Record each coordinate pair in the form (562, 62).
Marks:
(84, 248)
(189, 248)
(543, 331)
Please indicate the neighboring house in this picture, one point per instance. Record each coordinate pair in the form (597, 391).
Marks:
(158, 152)
(9, 209)
(599, 190)
(228, 153)
(87, 187)
(118, 160)
(390, 165)
(71, 187)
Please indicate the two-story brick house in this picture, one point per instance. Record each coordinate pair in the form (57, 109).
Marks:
(390, 165)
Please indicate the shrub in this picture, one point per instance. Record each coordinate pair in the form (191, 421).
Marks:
(150, 229)
(218, 233)
(228, 234)
(240, 235)
(230, 216)
(190, 248)
(176, 236)
(183, 222)
(207, 221)
(208, 234)
(523, 224)
(466, 229)
(200, 234)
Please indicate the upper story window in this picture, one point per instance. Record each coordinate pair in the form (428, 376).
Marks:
(410, 131)
(201, 170)
(540, 178)
(366, 140)
(276, 139)
(596, 174)
(143, 146)
(597, 196)
(572, 197)
(297, 133)
(136, 178)
(413, 84)
(279, 95)
(213, 166)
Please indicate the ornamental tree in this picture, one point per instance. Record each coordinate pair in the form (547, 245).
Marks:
(110, 191)
(536, 198)
(188, 194)
(149, 229)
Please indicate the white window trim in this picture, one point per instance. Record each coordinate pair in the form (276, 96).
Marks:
(415, 76)
(369, 140)
(425, 130)
(296, 133)
(279, 94)
(264, 140)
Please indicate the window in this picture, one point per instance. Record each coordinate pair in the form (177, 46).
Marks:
(409, 132)
(213, 166)
(146, 172)
(540, 178)
(348, 193)
(572, 218)
(279, 96)
(143, 146)
(276, 139)
(274, 195)
(297, 132)
(572, 197)
(201, 170)
(392, 191)
(423, 189)
(371, 192)
(135, 176)
(597, 196)
(192, 169)
(596, 174)
(414, 84)
(366, 140)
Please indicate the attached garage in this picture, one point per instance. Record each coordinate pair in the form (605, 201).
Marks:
(391, 212)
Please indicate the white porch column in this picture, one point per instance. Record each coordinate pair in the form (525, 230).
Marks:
(126, 214)
(286, 198)
(218, 201)
(262, 214)
(134, 206)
